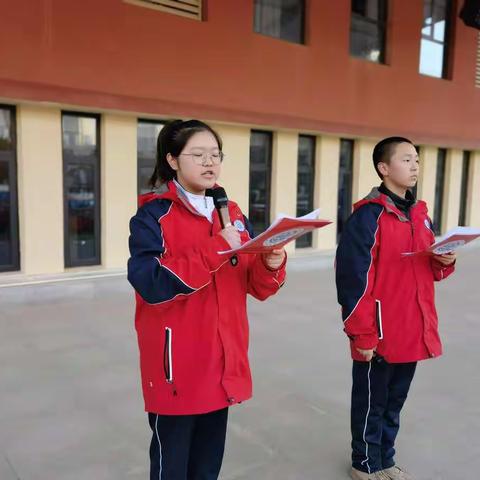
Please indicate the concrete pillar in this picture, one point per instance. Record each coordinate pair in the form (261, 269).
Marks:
(428, 175)
(118, 186)
(40, 189)
(326, 190)
(236, 167)
(284, 176)
(364, 175)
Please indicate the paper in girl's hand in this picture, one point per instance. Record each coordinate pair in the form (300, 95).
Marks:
(450, 242)
(282, 231)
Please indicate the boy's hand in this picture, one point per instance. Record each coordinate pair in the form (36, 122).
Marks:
(274, 259)
(446, 259)
(368, 354)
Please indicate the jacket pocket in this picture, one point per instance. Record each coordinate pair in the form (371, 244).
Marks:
(378, 318)
(167, 356)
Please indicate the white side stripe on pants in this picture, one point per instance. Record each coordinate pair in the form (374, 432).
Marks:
(159, 450)
(367, 458)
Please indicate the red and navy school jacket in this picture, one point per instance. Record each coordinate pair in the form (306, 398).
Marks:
(388, 300)
(191, 309)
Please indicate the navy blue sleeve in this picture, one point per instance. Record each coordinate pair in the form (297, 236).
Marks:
(154, 283)
(355, 273)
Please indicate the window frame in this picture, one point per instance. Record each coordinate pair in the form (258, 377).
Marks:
(153, 122)
(302, 33)
(97, 260)
(439, 189)
(382, 24)
(464, 188)
(351, 159)
(13, 186)
(447, 43)
(307, 238)
(269, 165)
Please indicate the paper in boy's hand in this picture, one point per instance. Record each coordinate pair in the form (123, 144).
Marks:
(282, 231)
(450, 242)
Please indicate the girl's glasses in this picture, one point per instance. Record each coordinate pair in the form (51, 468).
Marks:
(202, 158)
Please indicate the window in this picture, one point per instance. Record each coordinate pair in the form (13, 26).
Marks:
(184, 8)
(81, 186)
(368, 29)
(282, 19)
(435, 35)
(345, 182)
(439, 189)
(462, 215)
(305, 183)
(9, 253)
(260, 180)
(147, 134)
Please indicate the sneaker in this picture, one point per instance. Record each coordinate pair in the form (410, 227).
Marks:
(359, 475)
(396, 473)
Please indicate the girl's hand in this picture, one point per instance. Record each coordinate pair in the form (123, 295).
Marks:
(446, 259)
(274, 259)
(231, 235)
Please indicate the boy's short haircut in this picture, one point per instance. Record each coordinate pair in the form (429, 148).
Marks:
(384, 150)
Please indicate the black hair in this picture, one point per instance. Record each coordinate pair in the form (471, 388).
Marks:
(172, 139)
(384, 150)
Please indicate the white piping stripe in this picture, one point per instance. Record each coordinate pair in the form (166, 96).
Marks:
(167, 212)
(170, 364)
(159, 449)
(161, 229)
(186, 294)
(380, 321)
(367, 458)
(173, 273)
(179, 295)
(369, 268)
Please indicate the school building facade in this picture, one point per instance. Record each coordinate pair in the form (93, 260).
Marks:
(299, 90)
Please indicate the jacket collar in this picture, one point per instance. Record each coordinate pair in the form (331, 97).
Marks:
(375, 196)
(170, 191)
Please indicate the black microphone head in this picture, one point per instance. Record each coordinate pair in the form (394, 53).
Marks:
(220, 198)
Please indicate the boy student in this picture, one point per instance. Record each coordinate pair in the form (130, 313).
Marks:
(388, 305)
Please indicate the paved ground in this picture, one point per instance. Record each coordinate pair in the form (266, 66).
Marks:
(70, 404)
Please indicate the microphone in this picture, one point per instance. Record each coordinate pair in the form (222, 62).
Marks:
(220, 200)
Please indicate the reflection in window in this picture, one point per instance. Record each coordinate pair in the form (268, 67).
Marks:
(345, 183)
(280, 19)
(260, 180)
(147, 134)
(368, 29)
(434, 42)
(9, 255)
(439, 189)
(81, 160)
(464, 193)
(305, 183)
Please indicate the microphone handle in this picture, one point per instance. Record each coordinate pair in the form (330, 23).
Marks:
(225, 222)
(224, 217)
